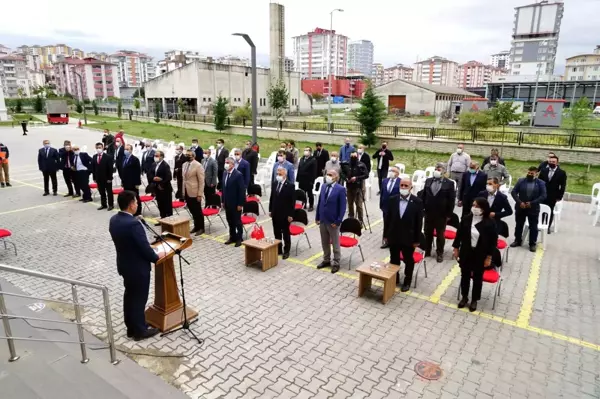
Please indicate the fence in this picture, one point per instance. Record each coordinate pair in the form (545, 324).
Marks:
(588, 138)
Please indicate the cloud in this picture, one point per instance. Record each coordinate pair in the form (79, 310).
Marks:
(74, 33)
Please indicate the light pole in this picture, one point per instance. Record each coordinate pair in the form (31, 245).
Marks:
(533, 104)
(254, 89)
(330, 66)
(82, 103)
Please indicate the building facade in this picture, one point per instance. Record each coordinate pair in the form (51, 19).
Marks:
(289, 64)
(477, 74)
(377, 73)
(500, 60)
(98, 78)
(13, 76)
(536, 31)
(396, 72)
(102, 56)
(320, 53)
(360, 57)
(341, 87)
(584, 66)
(4, 50)
(134, 68)
(437, 71)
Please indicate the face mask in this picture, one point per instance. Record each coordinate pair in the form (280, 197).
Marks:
(472, 171)
(178, 152)
(493, 163)
(360, 151)
(118, 143)
(280, 158)
(404, 192)
(391, 175)
(530, 178)
(490, 188)
(347, 144)
(219, 145)
(156, 159)
(459, 150)
(353, 160)
(238, 157)
(437, 174)
(127, 153)
(306, 153)
(227, 166)
(329, 179)
(476, 211)
(194, 145)
(99, 150)
(191, 157)
(205, 156)
(147, 147)
(47, 145)
(77, 152)
(279, 178)
(67, 148)
(283, 148)
(552, 166)
(334, 159)
(248, 145)
(384, 147)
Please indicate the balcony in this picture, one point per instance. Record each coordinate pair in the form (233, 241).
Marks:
(98, 86)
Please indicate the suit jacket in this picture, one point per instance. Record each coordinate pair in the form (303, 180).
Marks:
(322, 158)
(307, 172)
(331, 210)
(109, 144)
(385, 195)
(233, 190)
(469, 192)
(119, 157)
(64, 156)
(147, 159)
(519, 193)
(486, 244)
(385, 159)
(290, 171)
(440, 205)
(134, 253)
(283, 203)
(251, 157)
(555, 187)
(131, 173)
(104, 170)
(164, 172)
(211, 171)
(199, 152)
(179, 161)
(406, 230)
(193, 179)
(244, 168)
(48, 161)
(366, 159)
(500, 206)
(85, 159)
(221, 156)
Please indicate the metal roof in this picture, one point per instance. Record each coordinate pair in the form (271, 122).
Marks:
(434, 88)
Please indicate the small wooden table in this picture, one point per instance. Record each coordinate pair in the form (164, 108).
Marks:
(385, 274)
(178, 225)
(263, 252)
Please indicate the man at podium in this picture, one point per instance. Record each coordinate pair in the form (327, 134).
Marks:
(134, 259)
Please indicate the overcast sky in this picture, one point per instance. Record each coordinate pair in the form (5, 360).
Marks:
(402, 31)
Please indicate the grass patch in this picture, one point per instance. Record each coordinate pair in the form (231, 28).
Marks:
(17, 118)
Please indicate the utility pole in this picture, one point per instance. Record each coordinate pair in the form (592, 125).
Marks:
(82, 103)
(330, 66)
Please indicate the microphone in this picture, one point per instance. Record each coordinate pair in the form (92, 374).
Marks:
(141, 219)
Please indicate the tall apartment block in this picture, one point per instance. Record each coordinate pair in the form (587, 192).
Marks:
(13, 76)
(360, 57)
(134, 69)
(98, 78)
(476, 74)
(437, 71)
(535, 38)
(377, 73)
(277, 41)
(500, 60)
(321, 52)
(397, 72)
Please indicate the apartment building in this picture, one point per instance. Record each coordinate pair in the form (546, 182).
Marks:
(437, 71)
(134, 68)
(360, 57)
(288, 64)
(500, 60)
(320, 53)
(13, 76)
(177, 58)
(396, 72)
(98, 78)
(477, 74)
(583, 66)
(4, 50)
(102, 56)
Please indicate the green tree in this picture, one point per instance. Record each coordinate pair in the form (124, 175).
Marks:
(579, 113)
(370, 115)
(95, 107)
(475, 120)
(136, 104)
(278, 99)
(502, 114)
(181, 105)
(38, 105)
(19, 105)
(79, 107)
(242, 113)
(221, 113)
(139, 93)
(119, 108)
(156, 111)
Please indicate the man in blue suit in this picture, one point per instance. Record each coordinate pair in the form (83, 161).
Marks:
(330, 214)
(233, 198)
(242, 166)
(134, 258)
(473, 182)
(82, 166)
(528, 193)
(283, 163)
(147, 157)
(499, 205)
(390, 186)
(48, 164)
(131, 174)
(346, 150)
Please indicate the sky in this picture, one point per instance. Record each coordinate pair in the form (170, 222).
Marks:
(402, 31)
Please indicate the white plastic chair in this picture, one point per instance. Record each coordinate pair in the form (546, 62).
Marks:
(261, 181)
(401, 167)
(543, 222)
(595, 197)
(597, 217)
(453, 182)
(404, 176)
(557, 215)
(418, 180)
(505, 188)
(429, 171)
(369, 185)
(84, 148)
(317, 191)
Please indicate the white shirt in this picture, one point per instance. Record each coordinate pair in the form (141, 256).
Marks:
(491, 198)
(78, 165)
(474, 231)
(391, 185)
(157, 165)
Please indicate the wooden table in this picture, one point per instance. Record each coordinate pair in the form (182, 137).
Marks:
(385, 274)
(178, 225)
(263, 252)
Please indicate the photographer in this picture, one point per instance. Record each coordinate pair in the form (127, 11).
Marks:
(355, 173)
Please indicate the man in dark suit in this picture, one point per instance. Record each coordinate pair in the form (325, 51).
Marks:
(473, 182)
(120, 157)
(390, 187)
(544, 164)
(494, 153)
(180, 159)
(147, 157)
(198, 152)
(82, 166)
(330, 214)
(48, 164)
(556, 183)
(251, 157)
(322, 156)
(102, 174)
(404, 224)
(307, 173)
(131, 172)
(221, 155)
(528, 194)
(281, 210)
(160, 177)
(242, 166)
(383, 156)
(438, 197)
(364, 157)
(134, 259)
(66, 162)
(233, 198)
(108, 140)
(499, 205)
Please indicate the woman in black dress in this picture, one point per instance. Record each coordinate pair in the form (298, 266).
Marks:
(475, 243)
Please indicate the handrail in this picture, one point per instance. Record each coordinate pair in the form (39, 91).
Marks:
(77, 308)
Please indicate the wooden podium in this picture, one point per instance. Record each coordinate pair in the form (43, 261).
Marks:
(167, 311)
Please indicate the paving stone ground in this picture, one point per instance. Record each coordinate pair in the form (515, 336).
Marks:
(295, 331)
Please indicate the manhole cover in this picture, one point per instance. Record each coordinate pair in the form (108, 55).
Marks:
(428, 370)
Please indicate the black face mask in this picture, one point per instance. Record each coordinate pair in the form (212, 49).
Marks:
(384, 146)
(353, 161)
(552, 166)
(530, 178)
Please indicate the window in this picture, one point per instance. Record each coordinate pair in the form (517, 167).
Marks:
(596, 68)
(519, 51)
(516, 73)
(517, 66)
(580, 69)
(541, 58)
(519, 44)
(203, 99)
(209, 100)
(579, 77)
(572, 78)
(517, 59)
(574, 70)
(594, 77)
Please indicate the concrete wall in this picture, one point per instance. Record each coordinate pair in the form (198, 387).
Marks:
(417, 99)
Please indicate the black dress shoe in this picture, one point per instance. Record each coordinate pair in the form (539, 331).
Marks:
(199, 232)
(55, 194)
(10, 185)
(81, 199)
(110, 208)
(427, 254)
(192, 231)
(515, 244)
(335, 269)
(157, 224)
(238, 244)
(129, 334)
(405, 287)
(323, 265)
(45, 194)
(102, 207)
(68, 195)
(473, 306)
(463, 302)
(532, 248)
(85, 201)
(285, 255)
(229, 242)
(311, 209)
(440, 258)
(77, 195)
(151, 332)
(384, 246)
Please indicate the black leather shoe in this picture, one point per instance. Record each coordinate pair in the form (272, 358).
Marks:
(55, 194)
(10, 185)
(515, 244)
(199, 232)
(102, 207)
(384, 246)
(285, 255)
(473, 306)
(85, 201)
(532, 248)
(427, 254)
(311, 209)
(68, 195)
(323, 265)
(151, 332)
(110, 208)
(238, 244)
(76, 195)
(81, 200)
(440, 258)
(405, 287)
(129, 334)
(229, 242)
(45, 194)
(463, 302)
(192, 231)
(335, 269)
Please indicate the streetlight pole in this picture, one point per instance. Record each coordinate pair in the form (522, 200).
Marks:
(82, 103)
(330, 66)
(254, 84)
(533, 104)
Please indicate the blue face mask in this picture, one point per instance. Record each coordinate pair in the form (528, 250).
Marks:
(46, 145)
(472, 171)
(127, 153)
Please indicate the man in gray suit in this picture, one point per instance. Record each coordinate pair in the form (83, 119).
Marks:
(210, 174)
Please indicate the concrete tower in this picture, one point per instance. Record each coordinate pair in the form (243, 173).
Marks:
(277, 30)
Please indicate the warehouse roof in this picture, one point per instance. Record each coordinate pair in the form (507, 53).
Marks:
(434, 88)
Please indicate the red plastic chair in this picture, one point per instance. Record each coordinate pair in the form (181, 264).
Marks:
(419, 259)
(351, 226)
(256, 198)
(449, 234)
(145, 199)
(213, 208)
(117, 190)
(94, 189)
(491, 276)
(250, 215)
(179, 205)
(298, 226)
(4, 234)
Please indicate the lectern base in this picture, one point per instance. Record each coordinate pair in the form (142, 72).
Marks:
(168, 321)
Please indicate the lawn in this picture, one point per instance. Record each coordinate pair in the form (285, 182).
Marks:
(17, 118)
(578, 182)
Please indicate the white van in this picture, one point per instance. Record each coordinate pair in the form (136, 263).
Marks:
(597, 111)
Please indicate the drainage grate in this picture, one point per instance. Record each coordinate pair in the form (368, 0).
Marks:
(428, 370)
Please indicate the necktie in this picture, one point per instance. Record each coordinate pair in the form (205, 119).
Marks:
(390, 185)
(76, 158)
(278, 188)
(99, 158)
(68, 160)
(226, 178)
(327, 192)
(47, 150)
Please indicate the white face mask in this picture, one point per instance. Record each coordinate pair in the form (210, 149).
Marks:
(77, 152)
(437, 174)
(156, 159)
(459, 150)
(99, 150)
(194, 145)
(490, 188)
(205, 156)
(329, 179)
(280, 158)
(360, 151)
(227, 166)
(279, 178)
(307, 153)
(219, 145)
(118, 144)
(391, 175)
(476, 211)
(334, 159)
(238, 157)
(493, 163)
(404, 192)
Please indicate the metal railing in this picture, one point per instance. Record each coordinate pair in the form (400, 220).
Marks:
(6, 318)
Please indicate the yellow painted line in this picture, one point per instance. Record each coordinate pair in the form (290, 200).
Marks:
(376, 222)
(530, 289)
(313, 258)
(441, 289)
(35, 207)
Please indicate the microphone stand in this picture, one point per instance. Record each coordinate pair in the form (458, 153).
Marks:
(364, 205)
(186, 324)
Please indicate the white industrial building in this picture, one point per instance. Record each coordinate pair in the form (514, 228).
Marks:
(199, 84)
(419, 98)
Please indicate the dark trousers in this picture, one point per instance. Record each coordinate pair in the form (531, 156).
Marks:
(83, 180)
(180, 194)
(137, 197)
(47, 177)
(407, 256)
(532, 216)
(234, 220)
(281, 229)
(437, 223)
(69, 180)
(196, 210)
(164, 201)
(134, 303)
(310, 198)
(381, 174)
(251, 179)
(551, 204)
(209, 192)
(472, 270)
(106, 194)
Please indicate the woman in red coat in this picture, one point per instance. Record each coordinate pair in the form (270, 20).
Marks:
(120, 136)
